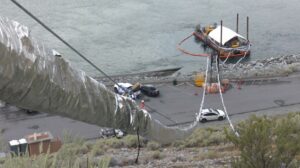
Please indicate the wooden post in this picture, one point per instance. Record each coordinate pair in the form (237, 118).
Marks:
(247, 28)
(237, 22)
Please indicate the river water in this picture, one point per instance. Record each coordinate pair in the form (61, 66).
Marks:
(141, 35)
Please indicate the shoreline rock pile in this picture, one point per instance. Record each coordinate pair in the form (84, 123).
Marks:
(270, 67)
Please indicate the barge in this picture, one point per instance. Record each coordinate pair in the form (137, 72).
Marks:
(231, 44)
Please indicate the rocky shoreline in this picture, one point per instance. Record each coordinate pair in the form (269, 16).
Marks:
(274, 66)
(270, 67)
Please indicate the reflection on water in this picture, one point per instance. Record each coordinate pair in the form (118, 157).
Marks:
(133, 35)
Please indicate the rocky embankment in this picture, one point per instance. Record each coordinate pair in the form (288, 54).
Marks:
(270, 67)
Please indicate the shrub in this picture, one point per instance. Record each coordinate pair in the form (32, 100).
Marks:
(114, 143)
(104, 162)
(69, 138)
(156, 155)
(211, 154)
(97, 150)
(26, 161)
(267, 143)
(202, 137)
(153, 146)
(131, 141)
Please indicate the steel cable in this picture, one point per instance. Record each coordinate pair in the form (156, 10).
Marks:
(223, 104)
(204, 90)
(67, 44)
(241, 58)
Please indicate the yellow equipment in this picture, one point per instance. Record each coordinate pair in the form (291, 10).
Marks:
(199, 79)
(235, 44)
(208, 29)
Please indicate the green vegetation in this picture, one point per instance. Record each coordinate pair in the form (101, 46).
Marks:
(267, 143)
(156, 155)
(153, 146)
(203, 137)
(263, 142)
(75, 153)
(104, 162)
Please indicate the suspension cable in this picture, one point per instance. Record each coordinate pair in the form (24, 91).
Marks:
(204, 90)
(241, 58)
(223, 62)
(222, 100)
(66, 43)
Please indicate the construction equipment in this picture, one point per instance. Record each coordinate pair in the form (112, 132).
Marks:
(199, 79)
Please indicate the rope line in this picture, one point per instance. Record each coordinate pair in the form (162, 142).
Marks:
(222, 100)
(241, 58)
(224, 62)
(204, 90)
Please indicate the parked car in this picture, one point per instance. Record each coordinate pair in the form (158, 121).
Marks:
(127, 89)
(149, 90)
(110, 132)
(211, 114)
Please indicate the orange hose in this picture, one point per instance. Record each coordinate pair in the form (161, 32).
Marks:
(187, 52)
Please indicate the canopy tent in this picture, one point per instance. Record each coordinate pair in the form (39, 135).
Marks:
(227, 34)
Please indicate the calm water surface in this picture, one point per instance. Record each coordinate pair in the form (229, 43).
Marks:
(141, 35)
